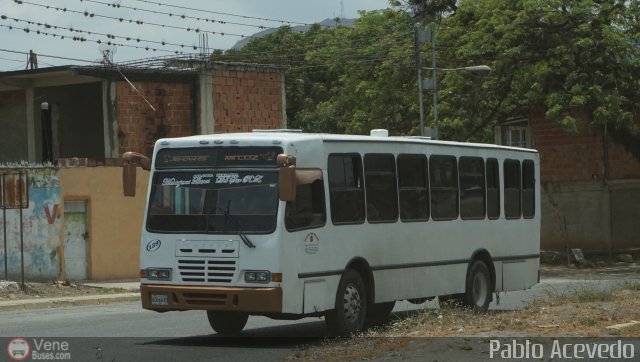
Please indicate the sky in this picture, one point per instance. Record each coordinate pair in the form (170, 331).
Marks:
(164, 25)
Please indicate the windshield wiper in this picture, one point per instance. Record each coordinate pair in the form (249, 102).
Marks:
(241, 234)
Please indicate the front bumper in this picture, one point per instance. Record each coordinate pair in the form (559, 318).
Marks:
(251, 300)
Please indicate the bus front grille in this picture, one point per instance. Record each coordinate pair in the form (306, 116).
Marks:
(206, 270)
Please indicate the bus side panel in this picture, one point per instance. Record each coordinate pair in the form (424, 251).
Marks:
(421, 282)
(520, 275)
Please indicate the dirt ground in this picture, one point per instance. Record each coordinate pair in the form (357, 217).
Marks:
(51, 290)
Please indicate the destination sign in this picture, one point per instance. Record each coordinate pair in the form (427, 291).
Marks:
(210, 157)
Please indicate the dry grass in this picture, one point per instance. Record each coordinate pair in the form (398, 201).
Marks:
(583, 312)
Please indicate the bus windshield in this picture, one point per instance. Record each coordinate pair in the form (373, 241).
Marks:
(213, 202)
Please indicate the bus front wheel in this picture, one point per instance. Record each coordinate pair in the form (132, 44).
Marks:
(350, 311)
(479, 287)
(227, 322)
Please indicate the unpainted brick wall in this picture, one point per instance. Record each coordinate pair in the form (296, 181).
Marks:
(247, 100)
(139, 126)
(579, 157)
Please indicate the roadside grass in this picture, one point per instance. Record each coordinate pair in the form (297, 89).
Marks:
(587, 311)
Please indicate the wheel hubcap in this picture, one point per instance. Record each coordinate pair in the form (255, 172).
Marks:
(480, 289)
(351, 303)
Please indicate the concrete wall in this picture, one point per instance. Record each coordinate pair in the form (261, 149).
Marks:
(115, 220)
(13, 122)
(590, 197)
(597, 217)
(41, 226)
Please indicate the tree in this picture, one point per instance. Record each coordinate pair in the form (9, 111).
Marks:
(567, 58)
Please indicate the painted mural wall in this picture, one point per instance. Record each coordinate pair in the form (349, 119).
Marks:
(40, 231)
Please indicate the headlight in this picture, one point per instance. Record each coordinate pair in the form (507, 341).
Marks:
(257, 276)
(158, 273)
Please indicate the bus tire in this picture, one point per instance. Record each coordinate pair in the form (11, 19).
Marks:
(349, 315)
(227, 322)
(379, 313)
(479, 287)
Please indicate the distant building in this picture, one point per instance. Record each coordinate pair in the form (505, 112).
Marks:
(76, 223)
(590, 184)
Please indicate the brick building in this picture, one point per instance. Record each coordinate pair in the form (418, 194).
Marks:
(590, 185)
(77, 224)
(100, 112)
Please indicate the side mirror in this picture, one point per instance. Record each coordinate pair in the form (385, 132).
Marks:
(287, 183)
(129, 179)
(287, 177)
(131, 161)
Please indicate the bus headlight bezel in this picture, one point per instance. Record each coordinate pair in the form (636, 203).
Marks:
(257, 276)
(158, 273)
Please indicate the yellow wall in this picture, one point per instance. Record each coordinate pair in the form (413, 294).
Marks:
(114, 221)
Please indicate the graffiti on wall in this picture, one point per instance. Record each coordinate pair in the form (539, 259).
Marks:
(41, 226)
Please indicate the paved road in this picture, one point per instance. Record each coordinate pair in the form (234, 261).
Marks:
(136, 334)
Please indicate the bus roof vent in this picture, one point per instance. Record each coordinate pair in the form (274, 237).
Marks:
(379, 133)
(277, 130)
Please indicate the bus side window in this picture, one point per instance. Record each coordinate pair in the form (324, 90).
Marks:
(512, 189)
(380, 183)
(493, 189)
(414, 187)
(528, 189)
(472, 188)
(346, 188)
(308, 210)
(443, 177)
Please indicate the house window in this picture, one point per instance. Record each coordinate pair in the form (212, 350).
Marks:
(516, 136)
(514, 133)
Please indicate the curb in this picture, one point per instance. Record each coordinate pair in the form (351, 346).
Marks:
(27, 304)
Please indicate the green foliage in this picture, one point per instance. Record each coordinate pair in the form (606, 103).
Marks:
(569, 59)
(566, 58)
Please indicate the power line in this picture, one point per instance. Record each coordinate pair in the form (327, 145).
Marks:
(109, 36)
(88, 14)
(83, 39)
(220, 13)
(51, 56)
(182, 16)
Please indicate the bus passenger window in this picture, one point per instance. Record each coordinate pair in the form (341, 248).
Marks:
(528, 189)
(493, 189)
(346, 188)
(308, 210)
(380, 185)
(472, 188)
(512, 189)
(443, 177)
(414, 188)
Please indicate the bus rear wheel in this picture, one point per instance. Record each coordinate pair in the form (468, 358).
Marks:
(227, 322)
(350, 311)
(479, 287)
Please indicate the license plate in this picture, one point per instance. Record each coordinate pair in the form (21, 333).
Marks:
(159, 299)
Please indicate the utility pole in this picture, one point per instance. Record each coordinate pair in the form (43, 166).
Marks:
(426, 35)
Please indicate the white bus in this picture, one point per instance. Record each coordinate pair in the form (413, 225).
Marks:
(288, 225)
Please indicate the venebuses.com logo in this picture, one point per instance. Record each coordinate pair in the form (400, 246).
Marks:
(18, 349)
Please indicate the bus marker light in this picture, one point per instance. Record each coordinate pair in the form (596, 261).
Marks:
(276, 277)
